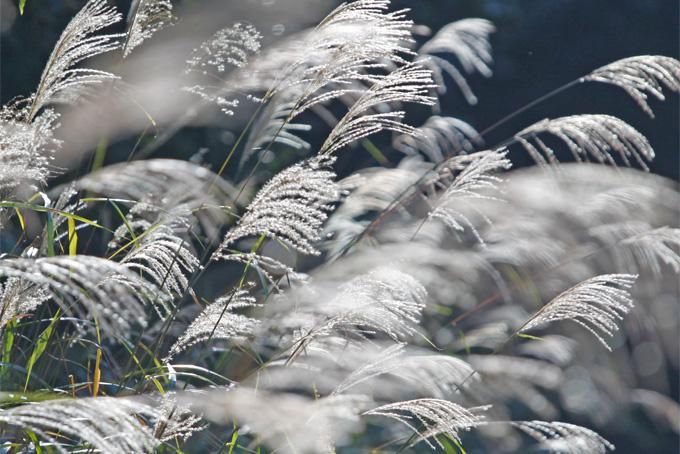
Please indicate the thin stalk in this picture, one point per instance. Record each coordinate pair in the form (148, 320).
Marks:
(533, 103)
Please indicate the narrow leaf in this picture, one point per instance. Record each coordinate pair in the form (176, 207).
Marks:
(72, 237)
(40, 346)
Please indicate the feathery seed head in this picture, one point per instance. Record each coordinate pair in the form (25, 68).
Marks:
(292, 207)
(588, 136)
(436, 416)
(60, 81)
(147, 18)
(597, 304)
(26, 148)
(468, 41)
(561, 437)
(409, 84)
(641, 76)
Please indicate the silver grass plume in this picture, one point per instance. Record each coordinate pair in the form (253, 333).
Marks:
(636, 245)
(336, 58)
(229, 47)
(60, 81)
(168, 190)
(588, 136)
(163, 182)
(19, 296)
(439, 138)
(287, 422)
(26, 148)
(175, 421)
(410, 84)
(561, 437)
(96, 287)
(219, 321)
(27, 140)
(475, 181)
(164, 259)
(107, 424)
(361, 11)
(291, 207)
(468, 40)
(641, 76)
(438, 375)
(437, 416)
(517, 379)
(597, 304)
(381, 303)
(145, 19)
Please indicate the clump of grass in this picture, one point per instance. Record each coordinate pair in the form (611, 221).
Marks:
(400, 308)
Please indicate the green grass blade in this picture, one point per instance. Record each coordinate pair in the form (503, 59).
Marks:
(40, 346)
(7, 344)
(36, 441)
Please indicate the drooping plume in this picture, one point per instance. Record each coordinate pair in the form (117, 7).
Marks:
(468, 41)
(146, 18)
(61, 82)
(90, 287)
(408, 84)
(476, 179)
(436, 416)
(597, 304)
(560, 437)
(219, 321)
(106, 423)
(291, 207)
(588, 136)
(641, 76)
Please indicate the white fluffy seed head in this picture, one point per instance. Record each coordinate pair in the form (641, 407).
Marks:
(60, 81)
(149, 17)
(292, 207)
(641, 76)
(107, 424)
(407, 84)
(468, 41)
(436, 416)
(564, 437)
(597, 304)
(589, 136)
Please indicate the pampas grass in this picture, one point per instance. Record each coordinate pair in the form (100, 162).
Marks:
(424, 305)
